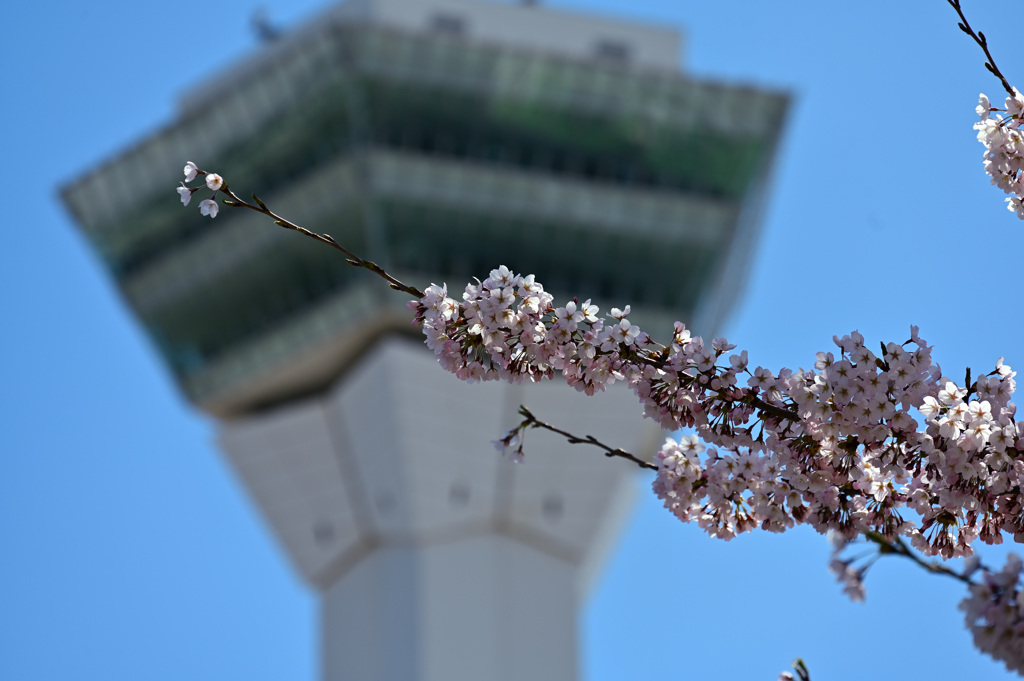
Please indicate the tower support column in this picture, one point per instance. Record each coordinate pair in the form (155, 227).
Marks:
(482, 607)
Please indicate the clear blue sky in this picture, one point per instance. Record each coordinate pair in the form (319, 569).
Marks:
(128, 552)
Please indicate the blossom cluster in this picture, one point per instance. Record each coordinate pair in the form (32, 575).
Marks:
(999, 130)
(863, 442)
(850, 577)
(994, 612)
(507, 328)
(213, 181)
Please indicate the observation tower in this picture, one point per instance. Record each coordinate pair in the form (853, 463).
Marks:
(439, 138)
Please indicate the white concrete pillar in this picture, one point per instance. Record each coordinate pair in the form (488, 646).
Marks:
(484, 607)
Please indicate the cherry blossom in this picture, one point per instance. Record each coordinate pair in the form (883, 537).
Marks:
(209, 207)
(511, 445)
(214, 181)
(999, 131)
(185, 193)
(994, 614)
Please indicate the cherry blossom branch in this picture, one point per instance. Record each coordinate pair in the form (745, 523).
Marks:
(979, 38)
(897, 547)
(836, 448)
(351, 258)
(886, 546)
(208, 207)
(531, 421)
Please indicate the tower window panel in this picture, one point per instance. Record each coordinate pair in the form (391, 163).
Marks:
(448, 24)
(613, 51)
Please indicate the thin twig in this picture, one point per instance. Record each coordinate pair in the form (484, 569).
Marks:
(352, 258)
(897, 547)
(532, 421)
(983, 43)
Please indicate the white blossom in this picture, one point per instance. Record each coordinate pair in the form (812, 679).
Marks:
(209, 207)
(185, 193)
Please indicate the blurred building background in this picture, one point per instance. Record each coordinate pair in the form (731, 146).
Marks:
(440, 138)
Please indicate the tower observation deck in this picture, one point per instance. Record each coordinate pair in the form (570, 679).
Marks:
(439, 138)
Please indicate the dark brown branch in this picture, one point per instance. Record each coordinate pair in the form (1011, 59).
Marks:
(778, 412)
(532, 421)
(352, 258)
(983, 43)
(897, 547)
